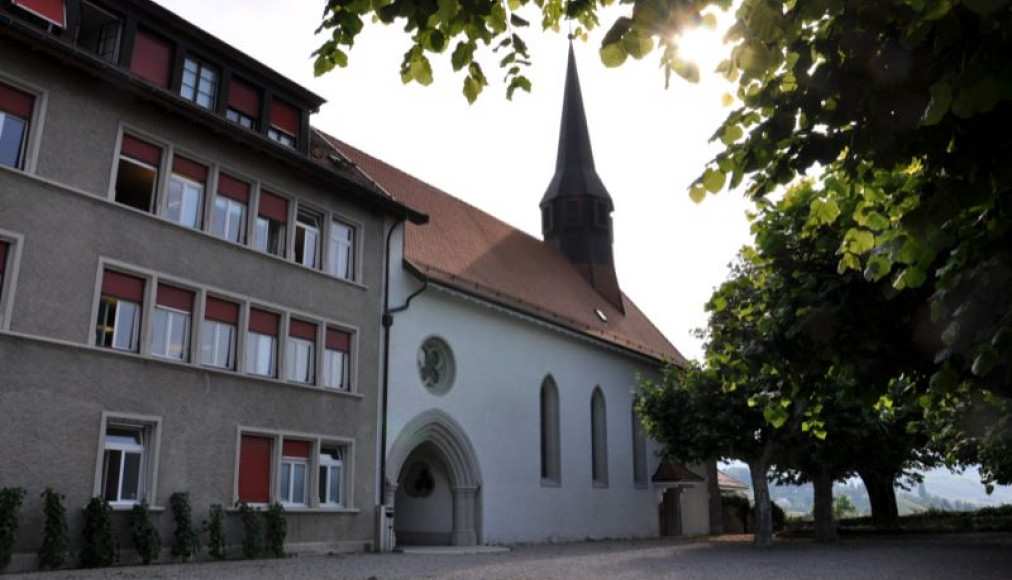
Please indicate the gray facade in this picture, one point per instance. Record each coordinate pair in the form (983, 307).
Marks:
(60, 393)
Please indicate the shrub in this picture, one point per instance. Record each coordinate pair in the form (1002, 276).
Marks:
(277, 529)
(99, 548)
(739, 506)
(252, 532)
(10, 521)
(145, 536)
(215, 528)
(187, 539)
(55, 536)
(779, 517)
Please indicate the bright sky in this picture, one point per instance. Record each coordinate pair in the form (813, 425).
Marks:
(649, 143)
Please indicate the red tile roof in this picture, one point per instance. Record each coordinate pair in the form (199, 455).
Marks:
(468, 250)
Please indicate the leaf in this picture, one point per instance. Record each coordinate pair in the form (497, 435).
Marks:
(462, 55)
(775, 415)
(472, 88)
(518, 22)
(731, 134)
(877, 267)
(727, 100)
(941, 98)
(713, 180)
(613, 55)
(823, 212)
(697, 193)
(859, 241)
(686, 69)
(983, 363)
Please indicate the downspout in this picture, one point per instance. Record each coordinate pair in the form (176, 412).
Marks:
(388, 321)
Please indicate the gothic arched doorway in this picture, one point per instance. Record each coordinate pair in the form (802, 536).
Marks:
(434, 483)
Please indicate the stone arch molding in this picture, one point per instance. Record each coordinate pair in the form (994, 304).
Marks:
(442, 432)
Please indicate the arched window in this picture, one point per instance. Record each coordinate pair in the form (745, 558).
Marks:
(598, 439)
(639, 449)
(551, 470)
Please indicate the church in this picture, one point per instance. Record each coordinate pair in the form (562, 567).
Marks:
(512, 361)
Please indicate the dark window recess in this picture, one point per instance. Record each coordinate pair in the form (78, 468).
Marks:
(137, 174)
(152, 58)
(99, 32)
(546, 219)
(574, 212)
(243, 104)
(600, 214)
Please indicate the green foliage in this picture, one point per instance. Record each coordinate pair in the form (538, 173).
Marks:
(187, 538)
(143, 533)
(98, 548)
(55, 548)
(252, 532)
(10, 522)
(215, 528)
(277, 529)
(843, 507)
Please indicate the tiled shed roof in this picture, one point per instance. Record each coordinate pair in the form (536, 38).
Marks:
(469, 250)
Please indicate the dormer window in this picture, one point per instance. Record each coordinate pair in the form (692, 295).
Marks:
(243, 104)
(152, 58)
(200, 83)
(99, 32)
(284, 123)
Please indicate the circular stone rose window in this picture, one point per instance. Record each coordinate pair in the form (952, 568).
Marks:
(435, 365)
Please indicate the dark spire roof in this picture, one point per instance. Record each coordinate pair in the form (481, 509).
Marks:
(574, 166)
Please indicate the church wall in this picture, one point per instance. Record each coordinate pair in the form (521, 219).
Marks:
(501, 361)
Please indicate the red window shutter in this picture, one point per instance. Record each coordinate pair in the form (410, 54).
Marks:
(190, 169)
(16, 102)
(295, 449)
(152, 58)
(173, 297)
(141, 150)
(338, 340)
(263, 322)
(3, 257)
(284, 117)
(303, 330)
(244, 98)
(233, 188)
(255, 469)
(222, 311)
(51, 10)
(123, 286)
(273, 207)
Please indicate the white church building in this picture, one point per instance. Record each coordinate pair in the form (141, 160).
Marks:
(508, 410)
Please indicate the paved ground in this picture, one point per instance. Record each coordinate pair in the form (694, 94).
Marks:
(925, 558)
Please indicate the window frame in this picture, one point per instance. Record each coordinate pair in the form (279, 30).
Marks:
(140, 328)
(201, 65)
(598, 438)
(327, 464)
(187, 332)
(186, 184)
(307, 211)
(112, 18)
(352, 247)
(151, 427)
(33, 132)
(550, 440)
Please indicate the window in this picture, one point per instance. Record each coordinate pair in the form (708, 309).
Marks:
(600, 214)
(171, 333)
(272, 216)
(598, 440)
(5, 250)
(16, 108)
(436, 368)
(262, 343)
(639, 449)
(99, 32)
(229, 220)
(342, 250)
(185, 201)
(294, 468)
(331, 482)
(52, 11)
(152, 58)
(300, 360)
(127, 461)
(336, 360)
(550, 456)
(119, 311)
(255, 469)
(307, 238)
(137, 174)
(221, 324)
(200, 83)
(574, 212)
(284, 123)
(243, 104)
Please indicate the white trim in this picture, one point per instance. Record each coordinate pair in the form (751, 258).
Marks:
(152, 426)
(15, 243)
(35, 123)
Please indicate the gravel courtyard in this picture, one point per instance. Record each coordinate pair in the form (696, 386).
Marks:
(925, 558)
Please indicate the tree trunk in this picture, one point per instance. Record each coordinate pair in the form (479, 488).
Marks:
(763, 515)
(882, 495)
(822, 510)
(716, 510)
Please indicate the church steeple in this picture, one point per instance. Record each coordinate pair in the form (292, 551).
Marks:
(576, 208)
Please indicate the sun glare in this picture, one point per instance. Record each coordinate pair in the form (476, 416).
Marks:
(704, 45)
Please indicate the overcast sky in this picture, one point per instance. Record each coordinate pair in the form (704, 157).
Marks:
(649, 143)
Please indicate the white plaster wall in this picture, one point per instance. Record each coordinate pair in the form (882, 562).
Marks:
(501, 361)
